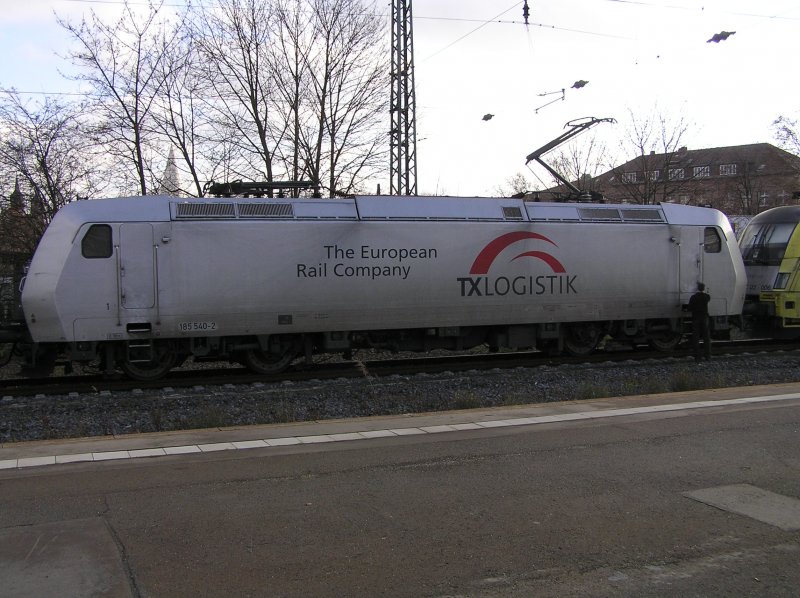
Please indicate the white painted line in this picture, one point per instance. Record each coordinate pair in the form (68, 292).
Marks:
(280, 441)
(248, 444)
(525, 421)
(36, 461)
(181, 450)
(74, 458)
(437, 429)
(315, 439)
(406, 431)
(522, 421)
(108, 456)
(377, 434)
(347, 436)
(616, 412)
(369, 434)
(704, 404)
(572, 416)
(153, 452)
(216, 446)
(499, 423)
(466, 427)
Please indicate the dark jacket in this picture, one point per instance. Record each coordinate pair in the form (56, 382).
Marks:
(698, 305)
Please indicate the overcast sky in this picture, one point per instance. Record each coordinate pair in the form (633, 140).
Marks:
(475, 57)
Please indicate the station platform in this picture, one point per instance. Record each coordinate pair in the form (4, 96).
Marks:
(50, 453)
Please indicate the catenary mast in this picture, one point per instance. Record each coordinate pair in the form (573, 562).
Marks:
(403, 133)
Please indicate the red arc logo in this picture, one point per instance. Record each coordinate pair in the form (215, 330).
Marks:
(489, 253)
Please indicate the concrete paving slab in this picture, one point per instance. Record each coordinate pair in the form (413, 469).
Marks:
(217, 446)
(155, 452)
(182, 450)
(438, 429)
(751, 501)
(246, 444)
(78, 458)
(279, 442)
(36, 461)
(346, 436)
(315, 439)
(405, 431)
(65, 558)
(377, 434)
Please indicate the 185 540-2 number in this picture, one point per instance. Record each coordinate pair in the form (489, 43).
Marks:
(197, 326)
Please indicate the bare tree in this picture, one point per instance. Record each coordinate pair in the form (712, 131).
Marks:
(786, 133)
(348, 69)
(580, 162)
(748, 190)
(653, 174)
(44, 163)
(234, 39)
(182, 114)
(122, 62)
(290, 72)
(44, 149)
(516, 184)
(243, 89)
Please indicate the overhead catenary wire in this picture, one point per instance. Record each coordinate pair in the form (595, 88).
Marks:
(478, 28)
(482, 23)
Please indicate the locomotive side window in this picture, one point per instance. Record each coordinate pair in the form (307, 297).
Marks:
(96, 242)
(765, 244)
(712, 242)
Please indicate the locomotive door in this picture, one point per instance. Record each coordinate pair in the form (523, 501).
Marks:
(136, 263)
(691, 258)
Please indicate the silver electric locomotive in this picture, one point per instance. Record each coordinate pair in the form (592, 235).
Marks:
(143, 283)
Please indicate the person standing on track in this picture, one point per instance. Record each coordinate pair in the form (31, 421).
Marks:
(698, 306)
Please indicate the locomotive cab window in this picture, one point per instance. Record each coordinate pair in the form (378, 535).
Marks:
(96, 242)
(765, 244)
(712, 242)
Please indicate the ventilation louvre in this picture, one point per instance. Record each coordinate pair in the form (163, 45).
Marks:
(205, 210)
(642, 214)
(600, 214)
(265, 210)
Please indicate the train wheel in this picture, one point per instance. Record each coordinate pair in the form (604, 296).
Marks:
(6, 351)
(666, 342)
(268, 363)
(165, 359)
(582, 339)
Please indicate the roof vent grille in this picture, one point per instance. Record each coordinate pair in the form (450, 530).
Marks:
(600, 214)
(265, 210)
(205, 210)
(642, 214)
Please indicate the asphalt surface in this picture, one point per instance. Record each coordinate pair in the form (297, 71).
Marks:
(691, 494)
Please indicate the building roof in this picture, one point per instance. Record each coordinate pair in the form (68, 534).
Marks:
(757, 154)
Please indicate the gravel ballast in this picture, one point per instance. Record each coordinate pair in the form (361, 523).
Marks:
(166, 409)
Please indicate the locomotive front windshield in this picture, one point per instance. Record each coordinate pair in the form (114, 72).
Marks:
(765, 244)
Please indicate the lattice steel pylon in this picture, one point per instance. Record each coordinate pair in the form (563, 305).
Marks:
(403, 133)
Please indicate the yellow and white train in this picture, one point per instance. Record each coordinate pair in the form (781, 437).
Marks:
(770, 246)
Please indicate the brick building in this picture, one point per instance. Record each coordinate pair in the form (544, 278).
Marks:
(740, 179)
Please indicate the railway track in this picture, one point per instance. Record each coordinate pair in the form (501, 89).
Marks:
(82, 406)
(235, 375)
